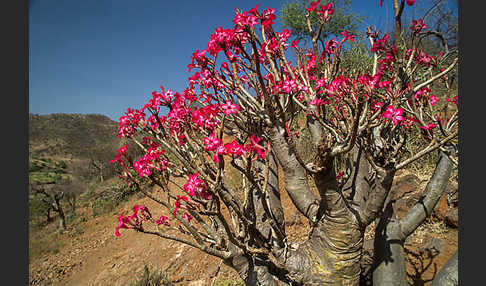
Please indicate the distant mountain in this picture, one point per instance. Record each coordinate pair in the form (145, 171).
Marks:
(69, 135)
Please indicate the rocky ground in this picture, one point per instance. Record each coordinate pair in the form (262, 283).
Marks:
(90, 254)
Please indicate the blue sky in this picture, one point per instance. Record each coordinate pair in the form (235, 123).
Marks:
(103, 56)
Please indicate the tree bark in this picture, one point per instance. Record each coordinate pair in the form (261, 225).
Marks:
(58, 208)
(389, 256)
(48, 215)
(434, 191)
(295, 175)
(391, 233)
(255, 271)
(62, 217)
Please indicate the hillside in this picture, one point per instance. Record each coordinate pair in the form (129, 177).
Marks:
(68, 135)
(60, 142)
(89, 253)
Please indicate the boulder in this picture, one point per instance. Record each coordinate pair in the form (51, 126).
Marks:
(452, 218)
(432, 244)
(405, 193)
(441, 208)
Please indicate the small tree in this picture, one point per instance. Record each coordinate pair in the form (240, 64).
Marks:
(99, 157)
(242, 116)
(72, 189)
(52, 196)
(294, 17)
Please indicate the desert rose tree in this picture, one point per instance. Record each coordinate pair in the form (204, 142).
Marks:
(246, 109)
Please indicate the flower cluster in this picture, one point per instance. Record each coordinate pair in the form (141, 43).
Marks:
(122, 152)
(216, 98)
(178, 206)
(135, 220)
(394, 114)
(194, 184)
(151, 160)
(163, 220)
(233, 148)
(324, 11)
(129, 122)
(417, 26)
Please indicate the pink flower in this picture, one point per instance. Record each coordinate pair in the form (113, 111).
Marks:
(254, 146)
(245, 19)
(455, 100)
(187, 217)
(429, 126)
(417, 26)
(294, 44)
(394, 114)
(424, 59)
(347, 36)
(313, 6)
(178, 203)
(268, 17)
(133, 221)
(192, 183)
(326, 11)
(220, 150)
(234, 148)
(211, 142)
(410, 2)
(163, 220)
(380, 44)
(129, 122)
(433, 100)
(254, 10)
(121, 152)
(193, 79)
(228, 108)
(321, 82)
(122, 224)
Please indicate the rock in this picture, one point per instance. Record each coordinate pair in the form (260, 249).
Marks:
(293, 219)
(441, 208)
(404, 185)
(452, 218)
(453, 195)
(212, 269)
(432, 244)
(405, 193)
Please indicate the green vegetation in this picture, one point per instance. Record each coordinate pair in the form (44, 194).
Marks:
(68, 134)
(62, 149)
(106, 200)
(229, 282)
(152, 277)
(293, 17)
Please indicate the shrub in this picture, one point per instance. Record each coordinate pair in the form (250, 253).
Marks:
(152, 277)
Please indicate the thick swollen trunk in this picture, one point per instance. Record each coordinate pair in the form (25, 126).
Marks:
(331, 256)
(255, 271)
